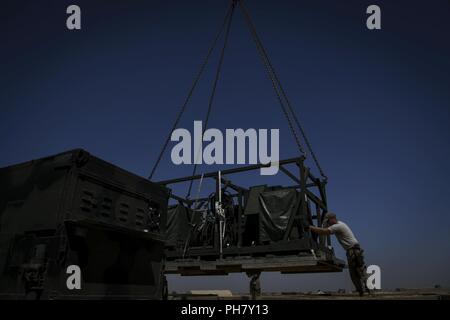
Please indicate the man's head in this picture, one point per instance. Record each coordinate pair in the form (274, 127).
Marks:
(330, 219)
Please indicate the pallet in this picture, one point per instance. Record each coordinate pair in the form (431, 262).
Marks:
(305, 263)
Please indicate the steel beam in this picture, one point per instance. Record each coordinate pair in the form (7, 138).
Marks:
(230, 171)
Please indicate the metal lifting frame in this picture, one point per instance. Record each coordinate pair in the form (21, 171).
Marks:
(312, 203)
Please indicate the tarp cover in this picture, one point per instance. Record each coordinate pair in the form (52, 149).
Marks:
(276, 208)
(177, 224)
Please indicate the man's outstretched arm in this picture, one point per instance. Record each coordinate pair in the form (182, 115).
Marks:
(321, 231)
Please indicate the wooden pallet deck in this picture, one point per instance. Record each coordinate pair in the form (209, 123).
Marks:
(310, 263)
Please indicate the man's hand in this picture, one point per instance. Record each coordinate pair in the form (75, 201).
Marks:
(321, 231)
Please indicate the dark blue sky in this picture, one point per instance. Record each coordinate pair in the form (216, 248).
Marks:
(375, 105)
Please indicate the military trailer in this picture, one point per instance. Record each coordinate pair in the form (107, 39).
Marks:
(74, 210)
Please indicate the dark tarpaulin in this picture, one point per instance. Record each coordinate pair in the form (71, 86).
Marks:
(276, 208)
(177, 224)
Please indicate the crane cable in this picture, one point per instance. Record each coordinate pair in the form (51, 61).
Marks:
(275, 79)
(278, 88)
(213, 91)
(191, 91)
(270, 73)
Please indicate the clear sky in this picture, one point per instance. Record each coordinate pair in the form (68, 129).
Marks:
(375, 105)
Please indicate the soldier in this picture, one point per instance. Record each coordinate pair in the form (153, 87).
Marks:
(355, 255)
(255, 285)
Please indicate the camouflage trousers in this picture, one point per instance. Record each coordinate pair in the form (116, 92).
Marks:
(357, 268)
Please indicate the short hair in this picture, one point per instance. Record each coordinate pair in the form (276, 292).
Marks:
(330, 215)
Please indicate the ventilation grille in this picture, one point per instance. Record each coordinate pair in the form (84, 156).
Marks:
(105, 208)
(124, 210)
(88, 202)
(140, 216)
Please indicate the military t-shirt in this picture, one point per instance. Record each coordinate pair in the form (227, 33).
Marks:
(344, 234)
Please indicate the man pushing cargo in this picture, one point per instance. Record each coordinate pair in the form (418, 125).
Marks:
(355, 256)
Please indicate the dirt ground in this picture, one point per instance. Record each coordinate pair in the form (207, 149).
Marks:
(398, 294)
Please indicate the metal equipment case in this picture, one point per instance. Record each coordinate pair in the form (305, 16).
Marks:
(265, 227)
(76, 209)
